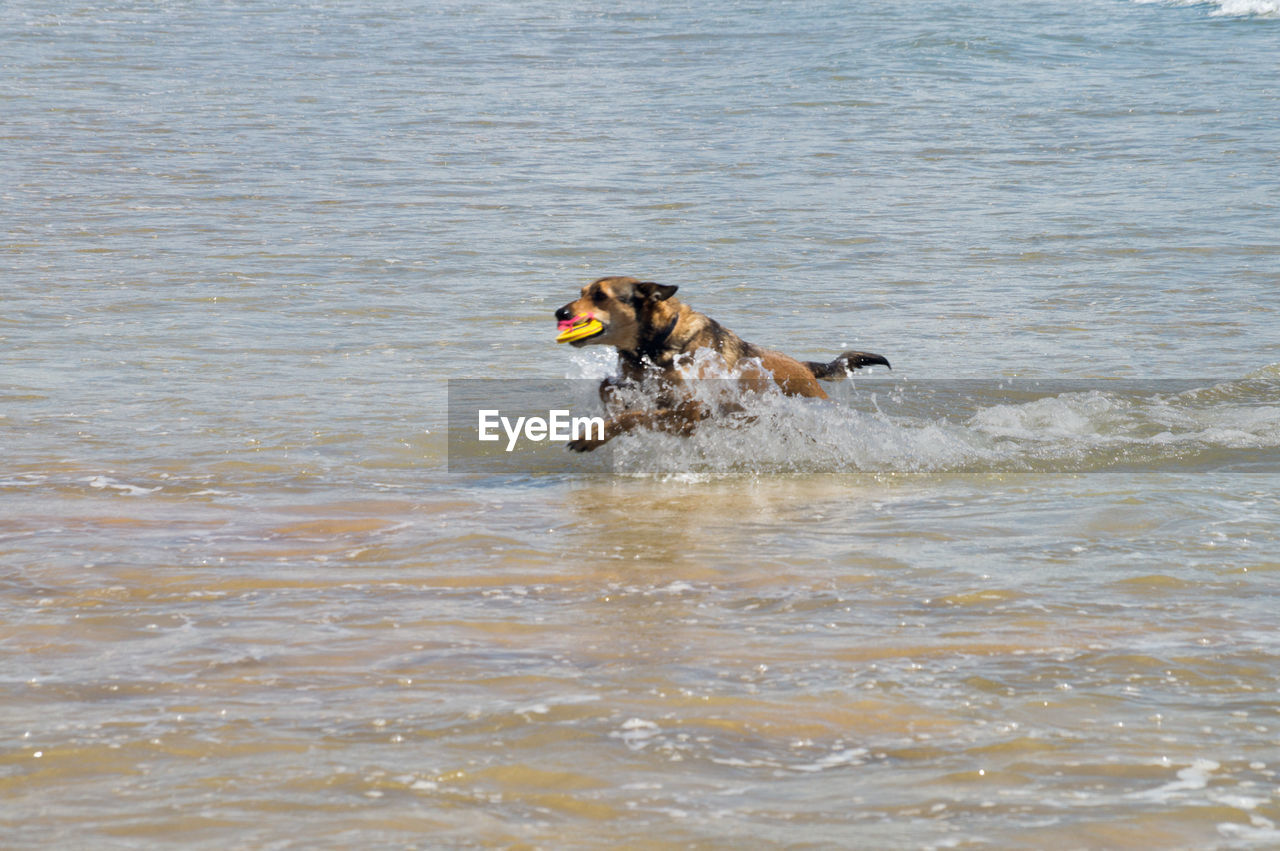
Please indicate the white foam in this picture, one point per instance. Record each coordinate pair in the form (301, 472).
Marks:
(920, 427)
(1249, 8)
(1193, 778)
(24, 480)
(845, 756)
(1061, 431)
(1229, 8)
(105, 483)
(594, 362)
(1260, 832)
(636, 733)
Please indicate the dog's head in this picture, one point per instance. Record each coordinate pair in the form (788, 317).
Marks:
(624, 308)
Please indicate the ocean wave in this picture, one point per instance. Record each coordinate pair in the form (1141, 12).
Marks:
(1230, 8)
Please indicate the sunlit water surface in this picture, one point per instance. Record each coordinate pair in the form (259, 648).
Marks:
(244, 603)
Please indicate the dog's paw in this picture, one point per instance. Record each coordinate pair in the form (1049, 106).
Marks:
(583, 444)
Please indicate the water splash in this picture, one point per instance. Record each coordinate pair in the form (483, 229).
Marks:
(970, 426)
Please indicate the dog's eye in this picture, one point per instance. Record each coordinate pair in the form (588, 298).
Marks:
(599, 297)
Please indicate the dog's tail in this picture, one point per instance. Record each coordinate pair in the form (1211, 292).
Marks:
(846, 363)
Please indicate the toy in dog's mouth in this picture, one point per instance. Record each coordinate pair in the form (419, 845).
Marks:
(578, 328)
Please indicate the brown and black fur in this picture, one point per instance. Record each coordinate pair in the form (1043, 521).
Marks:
(651, 330)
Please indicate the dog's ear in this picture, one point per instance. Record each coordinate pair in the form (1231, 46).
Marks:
(651, 292)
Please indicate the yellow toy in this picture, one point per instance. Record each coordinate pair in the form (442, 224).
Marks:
(581, 326)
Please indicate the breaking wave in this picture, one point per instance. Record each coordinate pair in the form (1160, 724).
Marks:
(1231, 8)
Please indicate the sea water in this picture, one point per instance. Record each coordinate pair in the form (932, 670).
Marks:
(1018, 592)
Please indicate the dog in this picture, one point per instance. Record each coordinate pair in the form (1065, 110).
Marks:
(655, 334)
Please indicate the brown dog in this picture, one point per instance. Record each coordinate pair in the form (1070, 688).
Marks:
(651, 331)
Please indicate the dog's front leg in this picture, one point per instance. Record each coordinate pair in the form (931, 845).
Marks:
(680, 419)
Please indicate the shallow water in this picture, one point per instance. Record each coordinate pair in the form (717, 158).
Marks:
(248, 598)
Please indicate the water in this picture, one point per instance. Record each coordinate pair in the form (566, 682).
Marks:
(246, 604)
